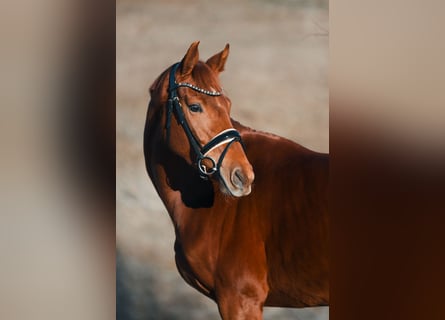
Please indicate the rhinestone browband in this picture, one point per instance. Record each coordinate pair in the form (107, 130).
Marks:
(193, 87)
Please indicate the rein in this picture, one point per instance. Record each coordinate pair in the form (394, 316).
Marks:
(226, 137)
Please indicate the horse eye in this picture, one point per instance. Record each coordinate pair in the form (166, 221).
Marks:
(195, 108)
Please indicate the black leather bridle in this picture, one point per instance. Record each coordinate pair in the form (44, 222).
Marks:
(226, 137)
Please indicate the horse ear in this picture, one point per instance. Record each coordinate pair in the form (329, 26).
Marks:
(218, 61)
(190, 59)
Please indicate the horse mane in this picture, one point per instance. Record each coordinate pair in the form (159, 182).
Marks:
(243, 128)
(155, 86)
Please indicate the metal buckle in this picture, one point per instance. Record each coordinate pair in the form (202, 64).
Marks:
(203, 168)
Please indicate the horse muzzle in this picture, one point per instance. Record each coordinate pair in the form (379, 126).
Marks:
(238, 181)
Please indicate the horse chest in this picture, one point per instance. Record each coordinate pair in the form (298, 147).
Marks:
(196, 268)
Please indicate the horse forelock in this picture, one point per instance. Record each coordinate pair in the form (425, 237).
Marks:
(205, 78)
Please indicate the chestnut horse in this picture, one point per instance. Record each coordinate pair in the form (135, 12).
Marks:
(249, 208)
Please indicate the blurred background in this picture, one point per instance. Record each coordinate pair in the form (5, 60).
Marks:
(57, 163)
(276, 77)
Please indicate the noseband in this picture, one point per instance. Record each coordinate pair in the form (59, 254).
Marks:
(226, 137)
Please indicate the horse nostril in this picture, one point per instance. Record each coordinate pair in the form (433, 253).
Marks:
(239, 179)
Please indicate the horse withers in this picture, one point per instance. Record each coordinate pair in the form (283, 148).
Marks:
(250, 209)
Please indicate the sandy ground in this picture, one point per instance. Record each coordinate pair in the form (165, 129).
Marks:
(276, 77)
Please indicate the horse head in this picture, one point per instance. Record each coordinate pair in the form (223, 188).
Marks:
(202, 134)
